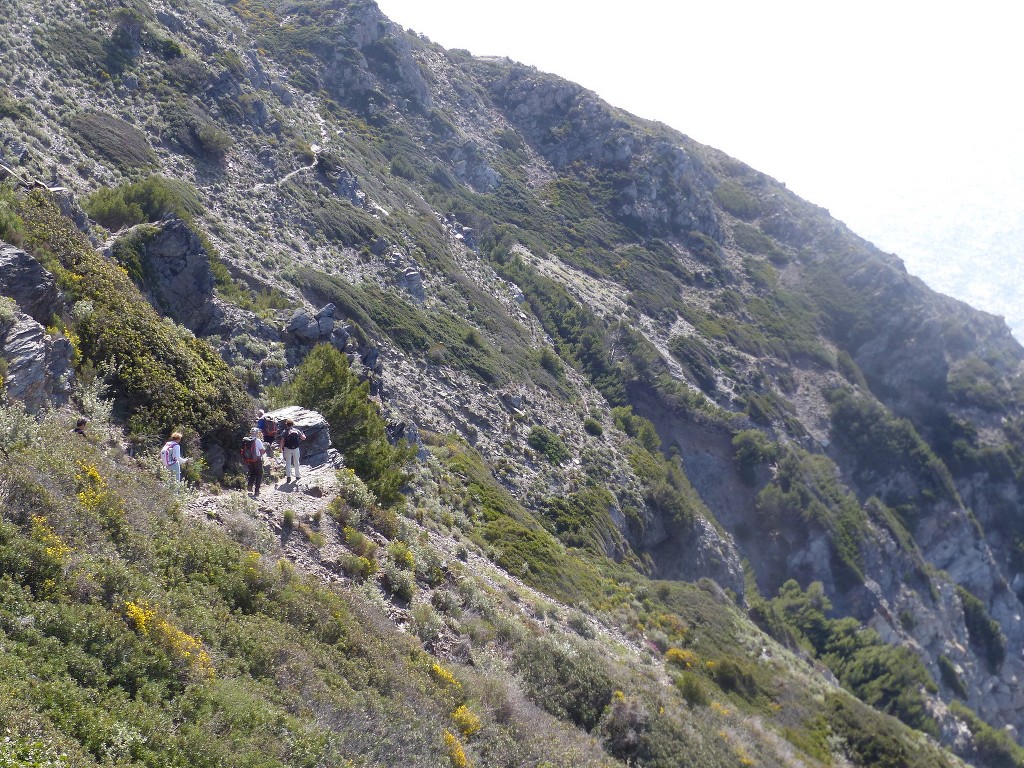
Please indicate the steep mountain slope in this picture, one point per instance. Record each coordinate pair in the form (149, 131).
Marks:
(627, 356)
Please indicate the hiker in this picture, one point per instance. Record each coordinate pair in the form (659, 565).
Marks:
(269, 430)
(252, 454)
(170, 456)
(80, 426)
(291, 437)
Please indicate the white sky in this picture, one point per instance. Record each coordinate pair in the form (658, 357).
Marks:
(904, 118)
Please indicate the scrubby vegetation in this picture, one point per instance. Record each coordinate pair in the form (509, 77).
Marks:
(889, 678)
(324, 382)
(162, 376)
(577, 268)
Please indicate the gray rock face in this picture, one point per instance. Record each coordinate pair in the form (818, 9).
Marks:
(407, 276)
(40, 370)
(182, 279)
(322, 326)
(65, 200)
(32, 287)
(661, 180)
(316, 448)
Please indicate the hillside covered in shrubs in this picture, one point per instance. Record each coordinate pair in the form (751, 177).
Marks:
(642, 460)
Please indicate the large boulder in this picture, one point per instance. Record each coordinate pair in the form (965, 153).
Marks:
(33, 288)
(40, 369)
(316, 448)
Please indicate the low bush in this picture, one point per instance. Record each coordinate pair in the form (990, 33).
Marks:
(983, 631)
(113, 139)
(149, 200)
(12, 230)
(548, 444)
(736, 200)
(567, 680)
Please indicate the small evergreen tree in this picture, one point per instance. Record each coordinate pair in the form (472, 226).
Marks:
(325, 382)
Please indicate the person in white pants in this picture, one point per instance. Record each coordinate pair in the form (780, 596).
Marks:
(291, 438)
(171, 457)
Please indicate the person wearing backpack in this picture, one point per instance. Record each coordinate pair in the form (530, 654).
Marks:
(170, 456)
(252, 454)
(291, 438)
(269, 430)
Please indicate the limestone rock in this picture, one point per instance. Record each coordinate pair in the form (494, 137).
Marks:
(178, 278)
(40, 369)
(32, 287)
(312, 327)
(316, 448)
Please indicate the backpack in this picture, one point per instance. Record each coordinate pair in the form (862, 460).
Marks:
(166, 452)
(270, 430)
(292, 438)
(249, 450)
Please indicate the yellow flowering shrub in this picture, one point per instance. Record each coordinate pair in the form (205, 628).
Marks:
(456, 753)
(43, 532)
(466, 720)
(150, 623)
(681, 657)
(444, 677)
(96, 496)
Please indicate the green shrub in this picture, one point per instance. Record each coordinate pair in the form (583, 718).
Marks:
(950, 677)
(567, 680)
(12, 230)
(401, 555)
(736, 200)
(114, 139)
(7, 309)
(592, 426)
(754, 241)
(14, 109)
(874, 741)
(398, 582)
(357, 567)
(548, 444)
(152, 199)
(692, 690)
(735, 676)
(698, 358)
(754, 447)
(359, 543)
(400, 166)
(984, 631)
(323, 381)
(190, 127)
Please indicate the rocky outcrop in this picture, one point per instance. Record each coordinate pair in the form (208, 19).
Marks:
(177, 272)
(322, 326)
(316, 449)
(40, 369)
(659, 184)
(32, 287)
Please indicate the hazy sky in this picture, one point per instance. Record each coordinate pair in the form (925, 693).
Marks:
(904, 118)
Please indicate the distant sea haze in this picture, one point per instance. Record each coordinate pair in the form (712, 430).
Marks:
(978, 258)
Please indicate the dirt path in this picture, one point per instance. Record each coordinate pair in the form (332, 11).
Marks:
(289, 520)
(313, 543)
